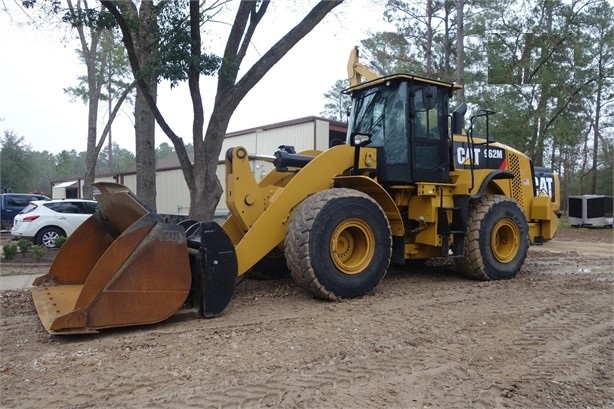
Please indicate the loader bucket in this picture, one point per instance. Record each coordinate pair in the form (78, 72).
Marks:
(123, 266)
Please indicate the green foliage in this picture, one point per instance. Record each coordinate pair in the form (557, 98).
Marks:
(10, 251)
(111, 69)
(164, 150)
(42, 168)
(59, 241)
(53, 5)
(24, 245)
(174, 58)
(391, 52)
(122, 160)
(24, 170)
(337, 103)
(92, 18)
(38, 252)
(15, 163)
(69, 164)
(426, 32)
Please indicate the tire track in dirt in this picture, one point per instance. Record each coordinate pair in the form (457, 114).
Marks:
(347, 384)
(566, 338)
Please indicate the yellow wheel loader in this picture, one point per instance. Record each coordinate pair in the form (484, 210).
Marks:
(409, 184)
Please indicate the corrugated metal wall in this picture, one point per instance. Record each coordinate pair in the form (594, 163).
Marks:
(172, 196)
(265, 142)
(321, 135)
(59, 192)
(129, 181)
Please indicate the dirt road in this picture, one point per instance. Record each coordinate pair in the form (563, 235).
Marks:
(424, 339)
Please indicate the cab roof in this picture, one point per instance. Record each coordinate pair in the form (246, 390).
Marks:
(402, 77)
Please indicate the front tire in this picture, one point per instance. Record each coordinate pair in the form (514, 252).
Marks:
(338, 244)
(496, 241)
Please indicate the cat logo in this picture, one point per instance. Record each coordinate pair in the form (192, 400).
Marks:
(544, 183)
(465, 157)
(479, 157)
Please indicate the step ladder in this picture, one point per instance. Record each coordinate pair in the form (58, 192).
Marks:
(453, 231)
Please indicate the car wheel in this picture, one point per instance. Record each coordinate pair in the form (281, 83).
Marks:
(46, 236)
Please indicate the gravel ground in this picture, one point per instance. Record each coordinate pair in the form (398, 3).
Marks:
(425, 338)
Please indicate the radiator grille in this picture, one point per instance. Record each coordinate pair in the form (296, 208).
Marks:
(514, 162)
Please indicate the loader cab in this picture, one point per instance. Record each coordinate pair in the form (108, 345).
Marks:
(406, 119)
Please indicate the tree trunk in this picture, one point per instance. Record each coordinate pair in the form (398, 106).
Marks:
(94, 90)
(208, 189)
(460, 49)
(536, 148)
(596, 137)
(146, 40)
(429, 38)
(447, 48)
(91, 156)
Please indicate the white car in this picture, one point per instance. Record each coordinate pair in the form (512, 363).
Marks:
(44, 221)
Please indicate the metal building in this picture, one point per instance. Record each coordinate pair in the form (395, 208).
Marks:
(261, 142)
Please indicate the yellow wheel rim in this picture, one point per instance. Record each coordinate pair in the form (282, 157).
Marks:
(505, 240)
(352, 246)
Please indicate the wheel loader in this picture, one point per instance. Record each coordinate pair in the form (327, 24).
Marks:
(410, 184)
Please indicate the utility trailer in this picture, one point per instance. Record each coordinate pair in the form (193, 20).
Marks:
(591, 211)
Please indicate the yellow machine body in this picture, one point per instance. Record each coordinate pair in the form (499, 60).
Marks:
(408, 185)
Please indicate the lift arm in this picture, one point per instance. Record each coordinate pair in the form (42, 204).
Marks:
(357, 71)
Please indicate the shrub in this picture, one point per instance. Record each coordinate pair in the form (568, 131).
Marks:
(38, 252)
(59, 242)
(24, 245)
(10, 250)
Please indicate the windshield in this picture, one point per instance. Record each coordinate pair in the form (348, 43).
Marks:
(377, 111)
(382, 113)
(368, 115)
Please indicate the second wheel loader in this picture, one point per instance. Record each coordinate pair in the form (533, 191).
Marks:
(409, 184)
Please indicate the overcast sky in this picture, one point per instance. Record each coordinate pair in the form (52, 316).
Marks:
(36, 65)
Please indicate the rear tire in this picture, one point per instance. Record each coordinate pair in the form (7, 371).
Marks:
(46, 236)
(496, 241)
(338, 244)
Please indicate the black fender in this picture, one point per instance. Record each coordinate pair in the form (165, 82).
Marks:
(494, 175)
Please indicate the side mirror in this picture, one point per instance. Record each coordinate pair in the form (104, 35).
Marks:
(360, 139)
(458, 119)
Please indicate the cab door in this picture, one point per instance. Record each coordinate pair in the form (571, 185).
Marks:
(428, 121)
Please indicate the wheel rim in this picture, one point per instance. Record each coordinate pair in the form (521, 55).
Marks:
(352, 246)
(49, 239)
(505, 240)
